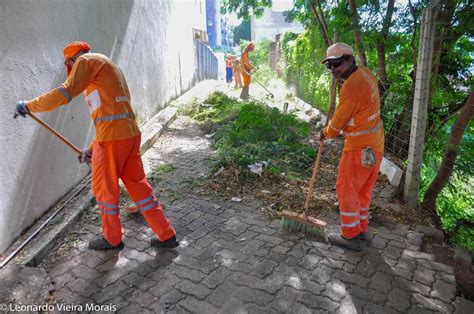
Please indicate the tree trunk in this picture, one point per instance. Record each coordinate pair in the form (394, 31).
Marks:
(358, 37)
(452, 149)
(322, 24)
(382, 66)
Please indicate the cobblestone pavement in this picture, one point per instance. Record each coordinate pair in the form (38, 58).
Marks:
(232, 258)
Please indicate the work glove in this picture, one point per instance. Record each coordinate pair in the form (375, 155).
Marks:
(21, 109)
(85, 156)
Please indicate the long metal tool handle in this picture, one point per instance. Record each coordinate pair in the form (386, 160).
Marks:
(332, 105)
(242, 68)
(62, 138)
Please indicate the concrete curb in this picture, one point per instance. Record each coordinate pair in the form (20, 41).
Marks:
(72, 213)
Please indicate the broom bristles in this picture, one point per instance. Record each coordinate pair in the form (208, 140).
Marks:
(294, 222)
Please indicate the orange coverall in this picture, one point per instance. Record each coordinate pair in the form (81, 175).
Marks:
(116, 148)
(246, 66)
(358, 118)
(237, 73)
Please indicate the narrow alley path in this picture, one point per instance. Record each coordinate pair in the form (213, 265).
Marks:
(232, 258)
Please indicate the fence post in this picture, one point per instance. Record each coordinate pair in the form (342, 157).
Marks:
(420, 107)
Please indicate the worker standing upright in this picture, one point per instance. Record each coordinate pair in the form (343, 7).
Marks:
(247, 69)
(357, 117)
(237, 73)
(115, 151)
(228, 69)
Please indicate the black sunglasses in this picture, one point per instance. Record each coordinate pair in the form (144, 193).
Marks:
(334, 63)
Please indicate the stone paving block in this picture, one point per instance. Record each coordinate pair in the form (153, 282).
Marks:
(439, 267)
(240, 279)
(318, 302)
(285, 299)
(418, 255)
(270, 239)
(222, 294)
(399, 300)
(335, 290)
(333, 263)
(365, 268)
(216, 278)
(143, 299)
(82, 287)
(164, 285)
(258, 297)
(110, 292)
(263, 269)
(60, 281)
(194, 305)
(392, 252)
(351, 278)
(381, 282)
(424, 275)
(254, 309)
(412, 286)
(233, 306)
(137, 281)
(188, 287)
(443, 290)
(432, 304)
(415, 238)
(188, 273)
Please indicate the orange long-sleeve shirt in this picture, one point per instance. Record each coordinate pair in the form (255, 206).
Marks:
(245, 62)
(358, 113)
(106, 92)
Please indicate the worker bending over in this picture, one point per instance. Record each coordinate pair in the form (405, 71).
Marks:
(115, 151)
(357, 117)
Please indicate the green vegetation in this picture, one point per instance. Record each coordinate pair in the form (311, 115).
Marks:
(252, 132)
(158, 172)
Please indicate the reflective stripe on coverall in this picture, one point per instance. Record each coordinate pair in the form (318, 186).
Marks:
(114, 160)
(116, 144)
(357, 117)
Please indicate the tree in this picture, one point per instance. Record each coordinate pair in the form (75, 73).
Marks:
(242, 32)
(452, 149)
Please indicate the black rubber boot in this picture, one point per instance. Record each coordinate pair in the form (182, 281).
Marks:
(171, 243)
(353, 244)
(100, 244)
(366, 236)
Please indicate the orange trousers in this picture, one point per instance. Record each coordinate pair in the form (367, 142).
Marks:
(246, 79)
(354, 192)
(121, 159)
(238, 77)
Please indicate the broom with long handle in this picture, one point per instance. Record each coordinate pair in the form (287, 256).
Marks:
(296, 222)
(71, 145)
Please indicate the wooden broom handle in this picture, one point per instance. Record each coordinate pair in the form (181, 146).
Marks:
(62, 138)
(332, 105)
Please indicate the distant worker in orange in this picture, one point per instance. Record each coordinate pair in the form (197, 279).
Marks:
(357, 117)
(247, 69)
(237, 73)
(115, 152)
(228, 69)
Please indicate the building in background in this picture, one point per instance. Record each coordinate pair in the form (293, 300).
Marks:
(219, 27)
(271, 23)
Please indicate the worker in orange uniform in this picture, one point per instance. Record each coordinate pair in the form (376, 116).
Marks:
(115, 152)
(247, 69)
(237, 73)
(357, 117)
(228, 69)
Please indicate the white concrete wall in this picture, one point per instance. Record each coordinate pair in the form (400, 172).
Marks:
(151, 40)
